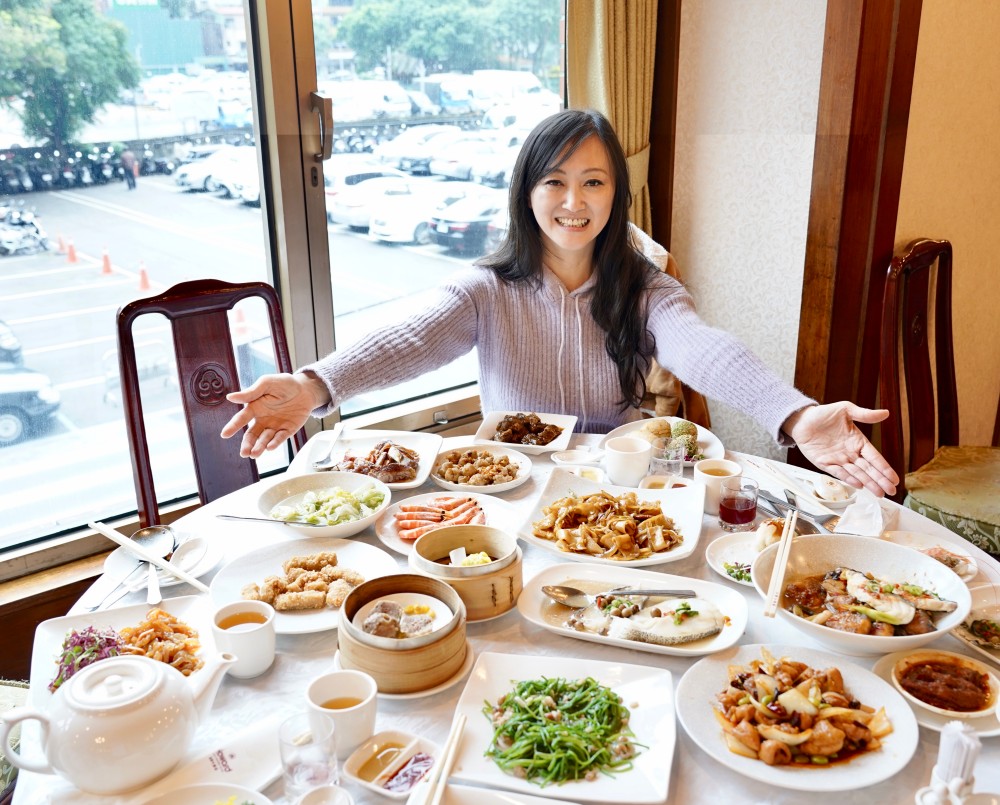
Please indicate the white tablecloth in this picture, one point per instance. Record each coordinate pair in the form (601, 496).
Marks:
(696, 777)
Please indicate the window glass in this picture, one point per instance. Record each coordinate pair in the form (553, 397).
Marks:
(428, 118)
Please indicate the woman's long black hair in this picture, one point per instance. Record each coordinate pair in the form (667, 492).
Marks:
(622, 272)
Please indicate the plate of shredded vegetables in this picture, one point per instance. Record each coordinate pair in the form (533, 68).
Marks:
(328, 504)
(68, 644)
(559, 728)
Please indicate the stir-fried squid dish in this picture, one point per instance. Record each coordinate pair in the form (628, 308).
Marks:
(851, 601)
(621, 528)
(781, 711)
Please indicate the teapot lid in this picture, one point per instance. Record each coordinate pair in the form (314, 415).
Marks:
(114, 682)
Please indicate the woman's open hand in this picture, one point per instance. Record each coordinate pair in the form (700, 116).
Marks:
(828, 437)
(276, 406)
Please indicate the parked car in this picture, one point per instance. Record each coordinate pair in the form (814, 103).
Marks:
(496, 229)
(28, 400)
(421, 105)
(10, 346)
(456, 160)
(346, 170)
(234, 115)
(417, 157)
(462, 225)
(392, 151)
(231, 176)
(405, 217)
(494, 169)
(198, 175)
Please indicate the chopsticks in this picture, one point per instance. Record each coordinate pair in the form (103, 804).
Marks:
(780, 563)
(439, 776)
(788, 481)
(137, 550)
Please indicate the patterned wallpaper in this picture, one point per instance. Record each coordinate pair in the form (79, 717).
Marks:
(746, 124)
(950, 178)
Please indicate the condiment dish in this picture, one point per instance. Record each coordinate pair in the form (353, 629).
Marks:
(946, 687)
(381, 757)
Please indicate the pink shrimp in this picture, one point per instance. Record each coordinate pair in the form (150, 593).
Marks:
(402, 525)
(463, 518)
(422, 507)
(449, 503)
(429, 516)
(479, 519)
(412, 533)
(470, 504)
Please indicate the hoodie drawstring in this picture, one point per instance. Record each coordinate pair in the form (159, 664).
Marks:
(562, 342)
(579, 372)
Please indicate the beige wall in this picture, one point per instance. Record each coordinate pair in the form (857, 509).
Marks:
(746, 126)
(951, 186)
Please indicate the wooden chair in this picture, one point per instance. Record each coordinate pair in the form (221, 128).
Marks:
(206, 371)
(956, 485)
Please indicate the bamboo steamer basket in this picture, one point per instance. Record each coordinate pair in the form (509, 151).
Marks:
(395, 666)
(487, 590)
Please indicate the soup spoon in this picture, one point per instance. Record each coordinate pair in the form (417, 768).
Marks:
(572, 597)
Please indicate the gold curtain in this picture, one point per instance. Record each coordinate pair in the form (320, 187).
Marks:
(610, 51)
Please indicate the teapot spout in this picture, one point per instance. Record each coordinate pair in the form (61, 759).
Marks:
(205, 683)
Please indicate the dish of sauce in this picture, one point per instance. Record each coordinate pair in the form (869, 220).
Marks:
(381, 759)
(409, 773)
(947, 685)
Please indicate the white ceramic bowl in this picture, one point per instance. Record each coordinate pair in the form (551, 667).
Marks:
(947, 657)
(289, 489)
(819, 554)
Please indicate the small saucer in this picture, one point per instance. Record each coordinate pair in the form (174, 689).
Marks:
(577, 457)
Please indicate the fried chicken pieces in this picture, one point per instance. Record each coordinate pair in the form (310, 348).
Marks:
(314, 581)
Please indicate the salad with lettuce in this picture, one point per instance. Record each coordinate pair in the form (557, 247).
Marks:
(332, 506)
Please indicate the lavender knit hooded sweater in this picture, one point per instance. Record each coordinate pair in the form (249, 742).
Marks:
(540, 350)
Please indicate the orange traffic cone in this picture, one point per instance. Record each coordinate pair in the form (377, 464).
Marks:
(61, 249)
(106, 263)
(143, 277)
(71, 253)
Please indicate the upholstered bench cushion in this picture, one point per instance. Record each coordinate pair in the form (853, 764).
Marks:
(960, 488)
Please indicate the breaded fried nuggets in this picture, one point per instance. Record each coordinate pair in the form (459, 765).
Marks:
(309, 582)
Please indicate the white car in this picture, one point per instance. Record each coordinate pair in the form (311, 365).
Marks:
(405, 218)
(231, 176)
(346, 170)
(354, 205)
(456, 160)
(392, 151)
(494, 169)
(198, 175)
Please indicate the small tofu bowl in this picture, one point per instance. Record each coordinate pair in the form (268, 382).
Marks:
(942, 682)
(291, 491)
(381, 759)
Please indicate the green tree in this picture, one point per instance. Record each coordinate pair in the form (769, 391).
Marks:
(67, 62)
(524, 29)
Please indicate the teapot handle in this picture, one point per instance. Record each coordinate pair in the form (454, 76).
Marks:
(8, 721)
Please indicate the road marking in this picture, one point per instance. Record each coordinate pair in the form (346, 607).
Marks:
(63, 314)
(83, 342)
(63, 289)
(81, 383)
(47, 272)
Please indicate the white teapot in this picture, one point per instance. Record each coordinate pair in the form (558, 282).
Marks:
(120, 723)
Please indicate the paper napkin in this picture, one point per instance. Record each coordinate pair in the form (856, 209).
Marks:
(868, 515)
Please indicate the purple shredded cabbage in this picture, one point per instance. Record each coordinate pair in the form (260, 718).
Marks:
(80, 649)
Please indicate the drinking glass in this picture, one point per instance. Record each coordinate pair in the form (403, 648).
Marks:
(737, 503)
(308, 753)
(667, 458)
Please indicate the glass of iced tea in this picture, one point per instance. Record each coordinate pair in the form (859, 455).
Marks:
(737, 503)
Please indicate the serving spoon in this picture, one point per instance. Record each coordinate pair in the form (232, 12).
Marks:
(572, 597)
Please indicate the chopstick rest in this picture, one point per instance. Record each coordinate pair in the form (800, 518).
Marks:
(780, 563)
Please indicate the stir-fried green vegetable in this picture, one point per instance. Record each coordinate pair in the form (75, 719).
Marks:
(555, 730)
(738, 570)
(331, 506)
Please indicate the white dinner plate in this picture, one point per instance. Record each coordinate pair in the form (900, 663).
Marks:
(702, 681)
(985, 604)
(210, 794)
(538, 608)
(519, 459)
(120, 560)
(738, 547)
(920, 542)
(708, 442)
(468, 795)
(369, 561)
(685, 505)
(985, 726)
(359, 443)
(489, 428)
(499, 514)
(458, 676)
(646, 691)
(193, 610)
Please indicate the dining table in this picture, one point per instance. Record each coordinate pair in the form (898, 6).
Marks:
(696, 776)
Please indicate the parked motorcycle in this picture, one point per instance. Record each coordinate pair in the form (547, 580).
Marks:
(21, 232)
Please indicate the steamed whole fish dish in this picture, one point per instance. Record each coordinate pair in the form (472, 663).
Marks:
(856, 602)
(670, 622)
(783, 712)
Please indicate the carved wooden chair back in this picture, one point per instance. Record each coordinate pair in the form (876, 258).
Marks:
(198, 312)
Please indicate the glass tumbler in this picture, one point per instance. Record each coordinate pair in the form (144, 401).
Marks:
(737, 503)
(308, 749)
(667, 458)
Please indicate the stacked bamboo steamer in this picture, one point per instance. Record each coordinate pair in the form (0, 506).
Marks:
(487, 590)
(411, 664)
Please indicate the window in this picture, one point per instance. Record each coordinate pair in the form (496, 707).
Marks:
(171, 109)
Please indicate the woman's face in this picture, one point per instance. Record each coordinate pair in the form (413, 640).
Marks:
(572, 204)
